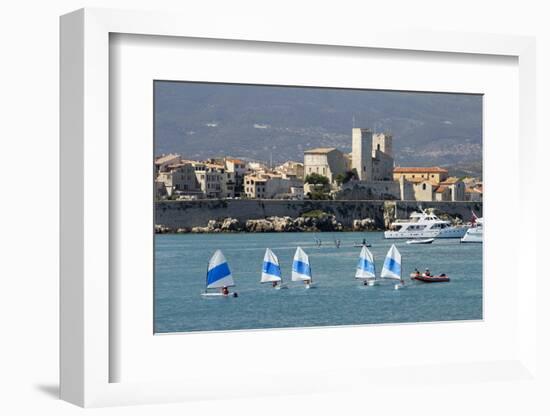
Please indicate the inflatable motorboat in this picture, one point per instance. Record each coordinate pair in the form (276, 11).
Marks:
(430, 278)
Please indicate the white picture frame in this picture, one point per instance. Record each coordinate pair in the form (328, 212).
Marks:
(86, 305)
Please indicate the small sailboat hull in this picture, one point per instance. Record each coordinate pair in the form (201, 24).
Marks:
(312, 285)
(219, 295)
(369, 282)
(279, 287)
(362, 245)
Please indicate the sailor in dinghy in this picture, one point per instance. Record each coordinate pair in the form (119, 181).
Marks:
(218, 276)
(392, 267)
(365, 267)
(301, 270)
(271, 270)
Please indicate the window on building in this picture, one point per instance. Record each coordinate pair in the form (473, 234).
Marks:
(423, 186)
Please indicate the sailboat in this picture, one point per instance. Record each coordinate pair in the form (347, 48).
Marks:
(365, 267)
(301, 270)
(392, 267)
(271, 270)
(218, 276)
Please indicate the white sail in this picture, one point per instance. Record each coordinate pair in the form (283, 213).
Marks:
(271, 271)
(301, 269)
(218, 274)
(365, 266)
(392, 264)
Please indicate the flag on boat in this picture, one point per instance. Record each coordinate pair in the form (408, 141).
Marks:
(271, 271)
(365, 266)
(300, 266)
(218, 274)
(392, 264)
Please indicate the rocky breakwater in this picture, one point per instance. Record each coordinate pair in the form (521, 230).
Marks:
(319, 223)
(288, 224)
(264, 225)
(366, 224)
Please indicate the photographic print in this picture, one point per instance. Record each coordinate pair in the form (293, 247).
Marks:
(295, 207)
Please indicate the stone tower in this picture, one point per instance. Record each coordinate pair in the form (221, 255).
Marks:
(383, 142)
(361, 153)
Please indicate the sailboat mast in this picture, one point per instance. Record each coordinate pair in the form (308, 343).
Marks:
(206, 279)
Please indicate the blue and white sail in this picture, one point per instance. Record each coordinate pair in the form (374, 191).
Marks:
(392, 264)
(271, 270)
(301, 269)
(218, 274)
(365, 266)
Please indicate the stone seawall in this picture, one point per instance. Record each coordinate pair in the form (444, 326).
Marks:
(188, 214)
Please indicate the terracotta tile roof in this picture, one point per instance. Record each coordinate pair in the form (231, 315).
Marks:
(432, 169)
(238, 161)
(440, 189)
(323, 150)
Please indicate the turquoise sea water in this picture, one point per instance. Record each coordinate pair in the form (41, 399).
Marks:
(180, 267)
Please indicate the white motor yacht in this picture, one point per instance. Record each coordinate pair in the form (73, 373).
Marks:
(424, 225)
(474, 234)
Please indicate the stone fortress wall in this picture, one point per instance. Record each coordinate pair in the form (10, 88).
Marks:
(188, 214)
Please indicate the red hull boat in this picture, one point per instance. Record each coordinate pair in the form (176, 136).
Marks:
(431, 279)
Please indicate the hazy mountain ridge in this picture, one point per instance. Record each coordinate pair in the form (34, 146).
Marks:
(205, 120)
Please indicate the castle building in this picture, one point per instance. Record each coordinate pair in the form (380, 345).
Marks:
(382, 157)
(382, 142)
(361, 153)
(371, 157)
(325, 161)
